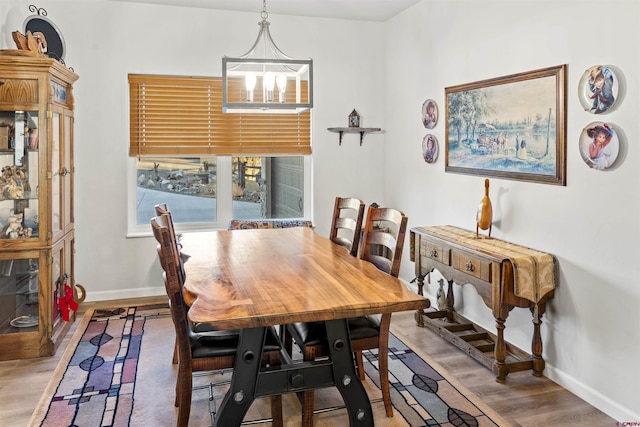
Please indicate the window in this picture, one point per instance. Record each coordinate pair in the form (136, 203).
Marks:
(211, 167)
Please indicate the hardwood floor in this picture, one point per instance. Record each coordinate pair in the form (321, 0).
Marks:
(523, 401)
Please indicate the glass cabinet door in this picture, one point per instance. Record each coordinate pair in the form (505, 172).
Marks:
(67, 172)
(19, 294)
(56, 179)
(19, 187)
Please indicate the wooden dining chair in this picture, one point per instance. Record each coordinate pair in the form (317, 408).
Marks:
(382, 243)
(346, 225)
(201, 351)
(162, 210)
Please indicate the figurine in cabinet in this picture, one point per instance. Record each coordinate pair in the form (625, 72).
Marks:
(15, 226)
(11, 183)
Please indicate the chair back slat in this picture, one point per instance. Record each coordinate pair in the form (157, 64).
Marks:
(383, 238)
(162, 210)
(346, 223)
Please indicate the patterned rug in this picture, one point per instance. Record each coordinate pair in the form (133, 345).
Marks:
(117, 371)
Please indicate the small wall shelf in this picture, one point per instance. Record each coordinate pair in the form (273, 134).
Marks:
(353, 129)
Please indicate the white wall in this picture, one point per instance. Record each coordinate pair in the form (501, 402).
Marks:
(590, 331)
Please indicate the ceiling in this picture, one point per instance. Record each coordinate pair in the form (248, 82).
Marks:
(362, 10)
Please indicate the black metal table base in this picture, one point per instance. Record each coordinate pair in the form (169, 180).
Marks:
(250, 381)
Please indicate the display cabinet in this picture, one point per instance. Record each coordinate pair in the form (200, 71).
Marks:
(36, 204)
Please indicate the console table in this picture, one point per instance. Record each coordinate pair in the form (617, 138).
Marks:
(505, 275)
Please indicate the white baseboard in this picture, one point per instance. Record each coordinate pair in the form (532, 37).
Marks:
(591, 396)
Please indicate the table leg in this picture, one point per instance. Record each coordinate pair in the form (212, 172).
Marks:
(241, 393)
(347, 381)
(500, 369)
(536, 344)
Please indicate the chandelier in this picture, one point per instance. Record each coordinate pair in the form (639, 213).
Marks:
(265, 80)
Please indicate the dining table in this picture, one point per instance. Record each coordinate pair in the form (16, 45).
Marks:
(250, 280)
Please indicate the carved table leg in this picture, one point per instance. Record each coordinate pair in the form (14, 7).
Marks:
(536, 344)
(500, 368)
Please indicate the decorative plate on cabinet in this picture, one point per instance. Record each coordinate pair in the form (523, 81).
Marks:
(598, 89)
(55, 47)
(599, 145)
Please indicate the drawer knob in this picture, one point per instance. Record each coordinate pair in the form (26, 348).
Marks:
(433, 253)
(469, 266)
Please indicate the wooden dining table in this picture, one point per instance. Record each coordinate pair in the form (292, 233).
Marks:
(253, 279)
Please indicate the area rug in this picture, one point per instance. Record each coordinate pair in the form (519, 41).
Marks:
(117, 371)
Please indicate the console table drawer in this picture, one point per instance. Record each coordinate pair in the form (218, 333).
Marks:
(435, 252)
(470, 265)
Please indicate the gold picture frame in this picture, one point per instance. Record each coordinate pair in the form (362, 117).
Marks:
(511, 127)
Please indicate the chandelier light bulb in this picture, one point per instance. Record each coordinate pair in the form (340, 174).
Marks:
(250, 83)
(269, 83)
(282, 86)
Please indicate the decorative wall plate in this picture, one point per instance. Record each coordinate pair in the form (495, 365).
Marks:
(598, 89)
(41, 24)
(429, 114)
(599, 145)
(430, 148)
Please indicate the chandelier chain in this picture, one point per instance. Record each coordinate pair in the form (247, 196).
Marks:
(264, 15)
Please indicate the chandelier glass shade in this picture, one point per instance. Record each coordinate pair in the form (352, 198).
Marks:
(265, 80)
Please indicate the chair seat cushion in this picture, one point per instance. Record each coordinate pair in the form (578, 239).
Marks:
(343, 241)
(315, 333)
(364, 327)
(225, 343)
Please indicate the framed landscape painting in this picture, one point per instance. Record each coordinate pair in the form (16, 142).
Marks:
(511, 127)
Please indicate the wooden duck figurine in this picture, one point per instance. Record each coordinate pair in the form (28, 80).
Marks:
(484, 215)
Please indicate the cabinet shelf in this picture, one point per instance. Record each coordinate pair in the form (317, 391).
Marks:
(361, 131)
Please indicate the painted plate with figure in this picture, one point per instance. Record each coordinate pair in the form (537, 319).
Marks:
(429, 114)
(599, 145)
(429, 148)
(598, 89)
